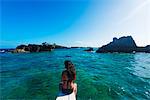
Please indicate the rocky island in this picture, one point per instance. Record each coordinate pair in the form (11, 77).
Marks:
(124, 45)
(37, 48)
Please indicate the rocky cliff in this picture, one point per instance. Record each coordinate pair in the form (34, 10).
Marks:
(123, 44)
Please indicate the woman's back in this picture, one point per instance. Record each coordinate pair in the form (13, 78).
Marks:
(67, 78)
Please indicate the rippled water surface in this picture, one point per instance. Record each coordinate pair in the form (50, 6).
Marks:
(99, 76)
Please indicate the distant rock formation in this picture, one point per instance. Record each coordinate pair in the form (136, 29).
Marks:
(37, 48)
(123, 44)
(6, 50)
(90, 49)
(143, 49)
(75, 47)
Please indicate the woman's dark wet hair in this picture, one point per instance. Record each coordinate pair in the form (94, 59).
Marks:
(70, 69)
(66, 63)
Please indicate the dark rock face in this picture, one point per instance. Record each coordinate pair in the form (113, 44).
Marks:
(123, 44)
(147, 49)
(90, 49)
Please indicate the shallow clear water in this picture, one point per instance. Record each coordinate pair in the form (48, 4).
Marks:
(99, 76)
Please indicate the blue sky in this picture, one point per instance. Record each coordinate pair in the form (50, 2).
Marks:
(73, 22)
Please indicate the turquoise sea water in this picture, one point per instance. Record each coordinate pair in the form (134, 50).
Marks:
(106, 76)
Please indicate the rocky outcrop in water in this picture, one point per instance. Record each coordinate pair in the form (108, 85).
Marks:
(123, 44)
(143, 49)
(90, 49)
(37, 48)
